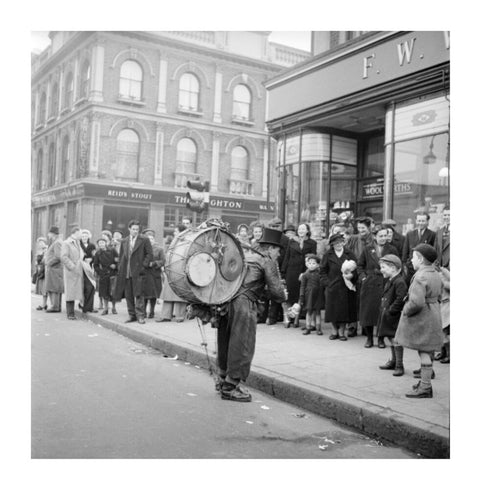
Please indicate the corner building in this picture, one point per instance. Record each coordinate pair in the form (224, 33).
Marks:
(363, 128)
(121, 121)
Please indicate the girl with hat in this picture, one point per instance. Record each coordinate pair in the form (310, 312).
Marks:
(371, 280)
(393, 297)
(105, 265)
(242, 234)
(340, 300)
(420, 326)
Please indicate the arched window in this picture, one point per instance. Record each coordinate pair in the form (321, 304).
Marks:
(68, 98)
(242, 100)
(186, 156)
(189, 92)
(128, 151)
(39, 169)
(52, 165)
(131, 79)
(239, 163)
(42, 109)
(65, 159)
(54, 101)
(84, 79)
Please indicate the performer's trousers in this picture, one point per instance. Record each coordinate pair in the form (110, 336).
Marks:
(236, 339)
(135, 305)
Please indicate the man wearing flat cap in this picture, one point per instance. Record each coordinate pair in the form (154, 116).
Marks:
(54, 270)
(237, 328)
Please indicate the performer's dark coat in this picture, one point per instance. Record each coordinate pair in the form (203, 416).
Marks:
(372, 282)
(237, 330)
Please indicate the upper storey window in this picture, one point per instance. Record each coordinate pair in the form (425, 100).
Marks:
(189, 92)
(131, 80)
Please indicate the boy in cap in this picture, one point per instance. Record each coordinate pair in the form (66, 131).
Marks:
(420, 326)
(394, 293)
(310, 299)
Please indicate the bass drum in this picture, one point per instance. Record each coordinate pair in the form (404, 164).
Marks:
(205, 266)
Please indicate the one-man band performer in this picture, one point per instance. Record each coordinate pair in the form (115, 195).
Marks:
(237, 328)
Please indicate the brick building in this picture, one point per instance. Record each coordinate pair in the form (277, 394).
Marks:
(121, 121)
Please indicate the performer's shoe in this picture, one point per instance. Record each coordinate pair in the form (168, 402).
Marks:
(270, 322)
(390, 365)
(381, 343)
(352, 333)
(307, 331)
(333, 337)
(114, 311)
(131, 319)
(445, 360)
(41, 308)
(104, 312)
(342, 338)
(319, 332)
(417, 374)
(151, 315)
(236, 393)
(162, 320)
(369, 343)
(72, 317)
(219, 383)
(141, 321)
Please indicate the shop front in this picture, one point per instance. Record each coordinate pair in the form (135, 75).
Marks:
(98, 206)
(364, 131)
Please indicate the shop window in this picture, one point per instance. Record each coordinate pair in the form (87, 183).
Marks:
(65, 163)
(52, 165)
(421, 179)
(84, 80)
(289, 175)
(54, 102)
(68, 98)
(242, 100)
(128, 151)
(42, 108)
(131, 80)
(342, 191)
(39, 178)
(189, 92)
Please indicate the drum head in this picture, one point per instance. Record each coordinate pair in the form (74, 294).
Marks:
(201, 269)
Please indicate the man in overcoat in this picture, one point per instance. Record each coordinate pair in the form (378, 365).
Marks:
(54, 270)
(135, 257)
(413, 238)
(72, 260)
(237, 329)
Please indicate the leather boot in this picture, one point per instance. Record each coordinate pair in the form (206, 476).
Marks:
(390, 365)
(380, 342)
(420, 392)
(399, 370)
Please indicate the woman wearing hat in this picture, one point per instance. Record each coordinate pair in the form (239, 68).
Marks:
(372, 281)
(294, 262)
(242, 234)
(420, 326)
(340, 299)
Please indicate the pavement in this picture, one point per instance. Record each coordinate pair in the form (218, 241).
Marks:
(339, 380)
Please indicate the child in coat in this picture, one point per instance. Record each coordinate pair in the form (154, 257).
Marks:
(393, 298)
(310, 298)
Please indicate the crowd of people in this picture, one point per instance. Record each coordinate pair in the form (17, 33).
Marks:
(364, 278)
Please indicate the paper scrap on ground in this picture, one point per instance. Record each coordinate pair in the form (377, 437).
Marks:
(264, 407)
(191, 394)
(92, 335)
(249, 422)
(322, 447)
(47, 334)
(187, 363)
(299, 415)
